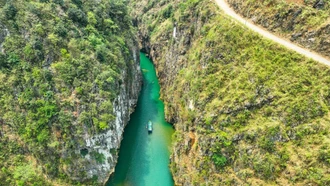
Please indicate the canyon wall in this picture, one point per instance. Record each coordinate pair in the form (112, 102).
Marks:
(245, 110)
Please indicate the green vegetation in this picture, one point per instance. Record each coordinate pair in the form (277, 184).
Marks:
(61, 66)
(310, 15)
(99, 157)
(219, 160)
(260, 113)
(304, 22)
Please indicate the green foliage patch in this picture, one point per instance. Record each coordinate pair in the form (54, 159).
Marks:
(61, 65)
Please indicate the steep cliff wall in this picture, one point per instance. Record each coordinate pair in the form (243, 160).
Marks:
(100, 150)
(70, 79)
(246, 111)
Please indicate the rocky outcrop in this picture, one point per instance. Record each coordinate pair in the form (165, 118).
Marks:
(3, 34)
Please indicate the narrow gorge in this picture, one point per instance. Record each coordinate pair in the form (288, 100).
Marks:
(246, 110)
(144, 158)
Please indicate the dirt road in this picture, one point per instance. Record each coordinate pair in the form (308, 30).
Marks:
(229, 11)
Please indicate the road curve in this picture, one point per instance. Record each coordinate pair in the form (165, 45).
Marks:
(229, 11)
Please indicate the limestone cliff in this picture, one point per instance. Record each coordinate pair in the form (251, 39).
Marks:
(106, 144)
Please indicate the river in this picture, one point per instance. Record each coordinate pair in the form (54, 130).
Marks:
(144, 158)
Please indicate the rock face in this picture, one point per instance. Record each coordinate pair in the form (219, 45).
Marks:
(319, 4)
(3, 34)
(107, 143)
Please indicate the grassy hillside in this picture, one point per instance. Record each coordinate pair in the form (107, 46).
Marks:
(61, 65)
(246, 111)
(303, 22)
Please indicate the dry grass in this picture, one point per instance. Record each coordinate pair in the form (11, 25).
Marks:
(299, 2)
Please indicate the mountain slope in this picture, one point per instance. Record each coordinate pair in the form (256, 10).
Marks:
(289, 45)
(70, 78)
(246, 110)
(303, 22)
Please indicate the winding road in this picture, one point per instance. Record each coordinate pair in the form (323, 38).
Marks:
(229, 11)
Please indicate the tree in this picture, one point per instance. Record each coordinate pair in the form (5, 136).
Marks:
(10, 11)
(77, 16)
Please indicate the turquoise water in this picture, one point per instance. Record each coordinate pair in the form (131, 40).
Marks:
(144, 158)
